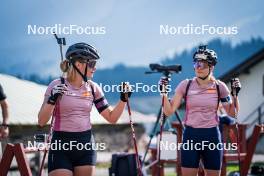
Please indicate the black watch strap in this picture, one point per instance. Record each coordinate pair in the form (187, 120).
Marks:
(4, 125)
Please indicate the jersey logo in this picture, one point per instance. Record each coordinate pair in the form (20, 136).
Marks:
(70, 93)
(86, 94)
(211, 91)
(193, 92)
(83, 94)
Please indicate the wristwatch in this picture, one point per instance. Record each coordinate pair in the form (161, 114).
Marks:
(5, 125)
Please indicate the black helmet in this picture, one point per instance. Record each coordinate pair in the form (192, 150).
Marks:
(82, 51)
(205, 54)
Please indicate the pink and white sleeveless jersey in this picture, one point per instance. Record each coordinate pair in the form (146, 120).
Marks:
(201, 106)
(72, 111)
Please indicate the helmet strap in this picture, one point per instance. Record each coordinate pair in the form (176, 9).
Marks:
(85, 73)
(85, 79)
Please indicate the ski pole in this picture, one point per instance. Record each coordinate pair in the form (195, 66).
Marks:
(237, 126)
(134, 138)
(152, 135)
(161, 129)
(50, 134)
(162, 120)
(61, 42)
(46, 150)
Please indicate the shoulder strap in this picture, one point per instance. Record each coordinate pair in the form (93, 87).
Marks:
(218, 92)
(62, 79)
(92, 88)
(185, 99)
(187, 88)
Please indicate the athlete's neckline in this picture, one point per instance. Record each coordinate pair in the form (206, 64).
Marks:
(204, 86)
(73, 87)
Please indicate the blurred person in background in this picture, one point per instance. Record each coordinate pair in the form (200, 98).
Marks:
(4, 130)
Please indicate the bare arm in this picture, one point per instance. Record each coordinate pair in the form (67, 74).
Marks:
(232, 109)
(4, 131)
(5, 115)
(171, 107)
(113, 114)
(45, 113)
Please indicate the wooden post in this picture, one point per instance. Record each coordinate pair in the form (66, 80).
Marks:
(21, 160)
(18, 151)
(157, 169)
(153, 158)
(251, 147)
(6, 159)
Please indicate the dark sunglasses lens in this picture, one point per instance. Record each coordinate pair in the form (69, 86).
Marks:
(196, 65)
(200, 65)
(91, 64)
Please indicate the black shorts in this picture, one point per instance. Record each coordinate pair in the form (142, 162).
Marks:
(211, 154)
(71, 149)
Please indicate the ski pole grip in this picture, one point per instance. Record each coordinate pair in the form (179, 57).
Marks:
(233, 89)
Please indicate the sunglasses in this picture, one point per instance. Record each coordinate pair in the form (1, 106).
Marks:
(200, 65)
(90, 63)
